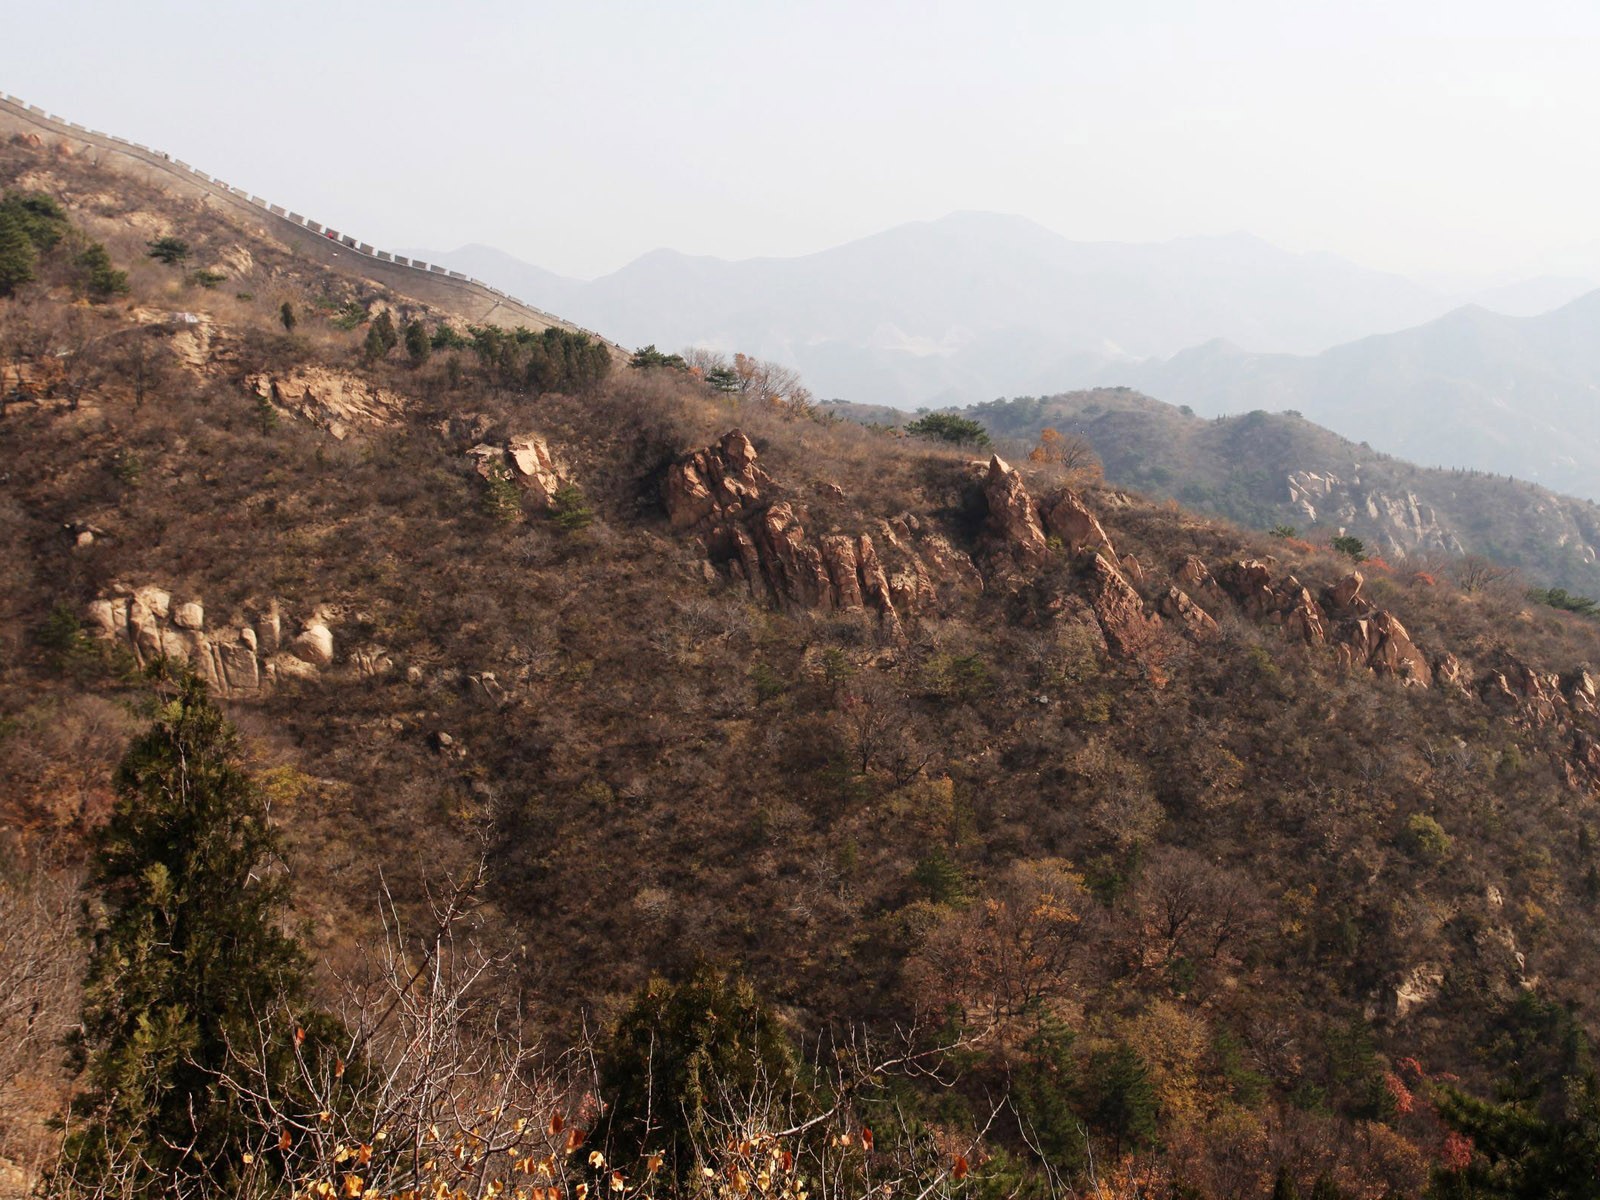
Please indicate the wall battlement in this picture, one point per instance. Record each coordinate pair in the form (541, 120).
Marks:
(60, 125)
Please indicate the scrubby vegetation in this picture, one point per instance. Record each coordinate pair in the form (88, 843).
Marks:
(704, 883)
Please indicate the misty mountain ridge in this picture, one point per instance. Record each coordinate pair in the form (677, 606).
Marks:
(1474, 388)
(975, 304)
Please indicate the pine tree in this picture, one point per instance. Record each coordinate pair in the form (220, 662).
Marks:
(682, 1050)
(189, 957)
(286, 315)
(17, 254)
(418, 344)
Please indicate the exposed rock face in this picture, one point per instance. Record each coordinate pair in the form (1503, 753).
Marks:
(1120, 611)
(1535, 695)
(1447, 672)
(236, 661)
(1249, 582)
(1380, 643)
(337, 401)
(1013, 521)
(1193, 620)
(1419, 986)
(525, 458)
(1401, 523)
(1345, 596)
(1304, 619)
(723, 478)
(531, 459)
(1579, 689)
(754, 535)
(1069, 519)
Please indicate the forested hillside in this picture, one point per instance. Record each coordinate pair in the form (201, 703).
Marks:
(650, 788)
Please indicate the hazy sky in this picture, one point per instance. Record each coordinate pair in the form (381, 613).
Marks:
(1454, 138)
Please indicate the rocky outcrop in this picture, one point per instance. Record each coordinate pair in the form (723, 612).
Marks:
(1194, 621)
(526, 459)
(1013, 521)
(1420, 986)
(722, 480)
(1345, 596)
(237, 660)
(337, 401)
(1128, 631)
(536, 467)
(755, 535)
(1447, 673)
(1068, 518)
(1381, 644)
(1249, 582)
(1517, 688)
(1303, 619)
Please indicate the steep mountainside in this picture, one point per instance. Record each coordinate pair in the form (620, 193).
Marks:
(1267, 469)
(1511, 395)
(1218, 860)
(974, 305)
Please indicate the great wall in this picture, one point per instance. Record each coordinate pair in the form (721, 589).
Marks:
(428, 282)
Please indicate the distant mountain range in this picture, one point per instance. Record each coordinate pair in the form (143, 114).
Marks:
(977, 305)
(1514, 395)
(974, 305)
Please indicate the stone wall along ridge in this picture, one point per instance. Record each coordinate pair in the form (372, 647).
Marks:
(60, 125)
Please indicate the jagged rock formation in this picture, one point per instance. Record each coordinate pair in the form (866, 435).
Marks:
(754, 536)
(1195, 622)
(757, 538)
(1013, 521)
(236, 661)
(1117, 606)
(337, 401)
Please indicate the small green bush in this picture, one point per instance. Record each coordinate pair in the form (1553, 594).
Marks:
(1427, 838)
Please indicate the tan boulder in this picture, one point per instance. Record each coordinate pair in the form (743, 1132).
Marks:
(314, 645)
(156, 601)
(191, 615)
(530, 455)
(108, 619)
(1070, 520)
